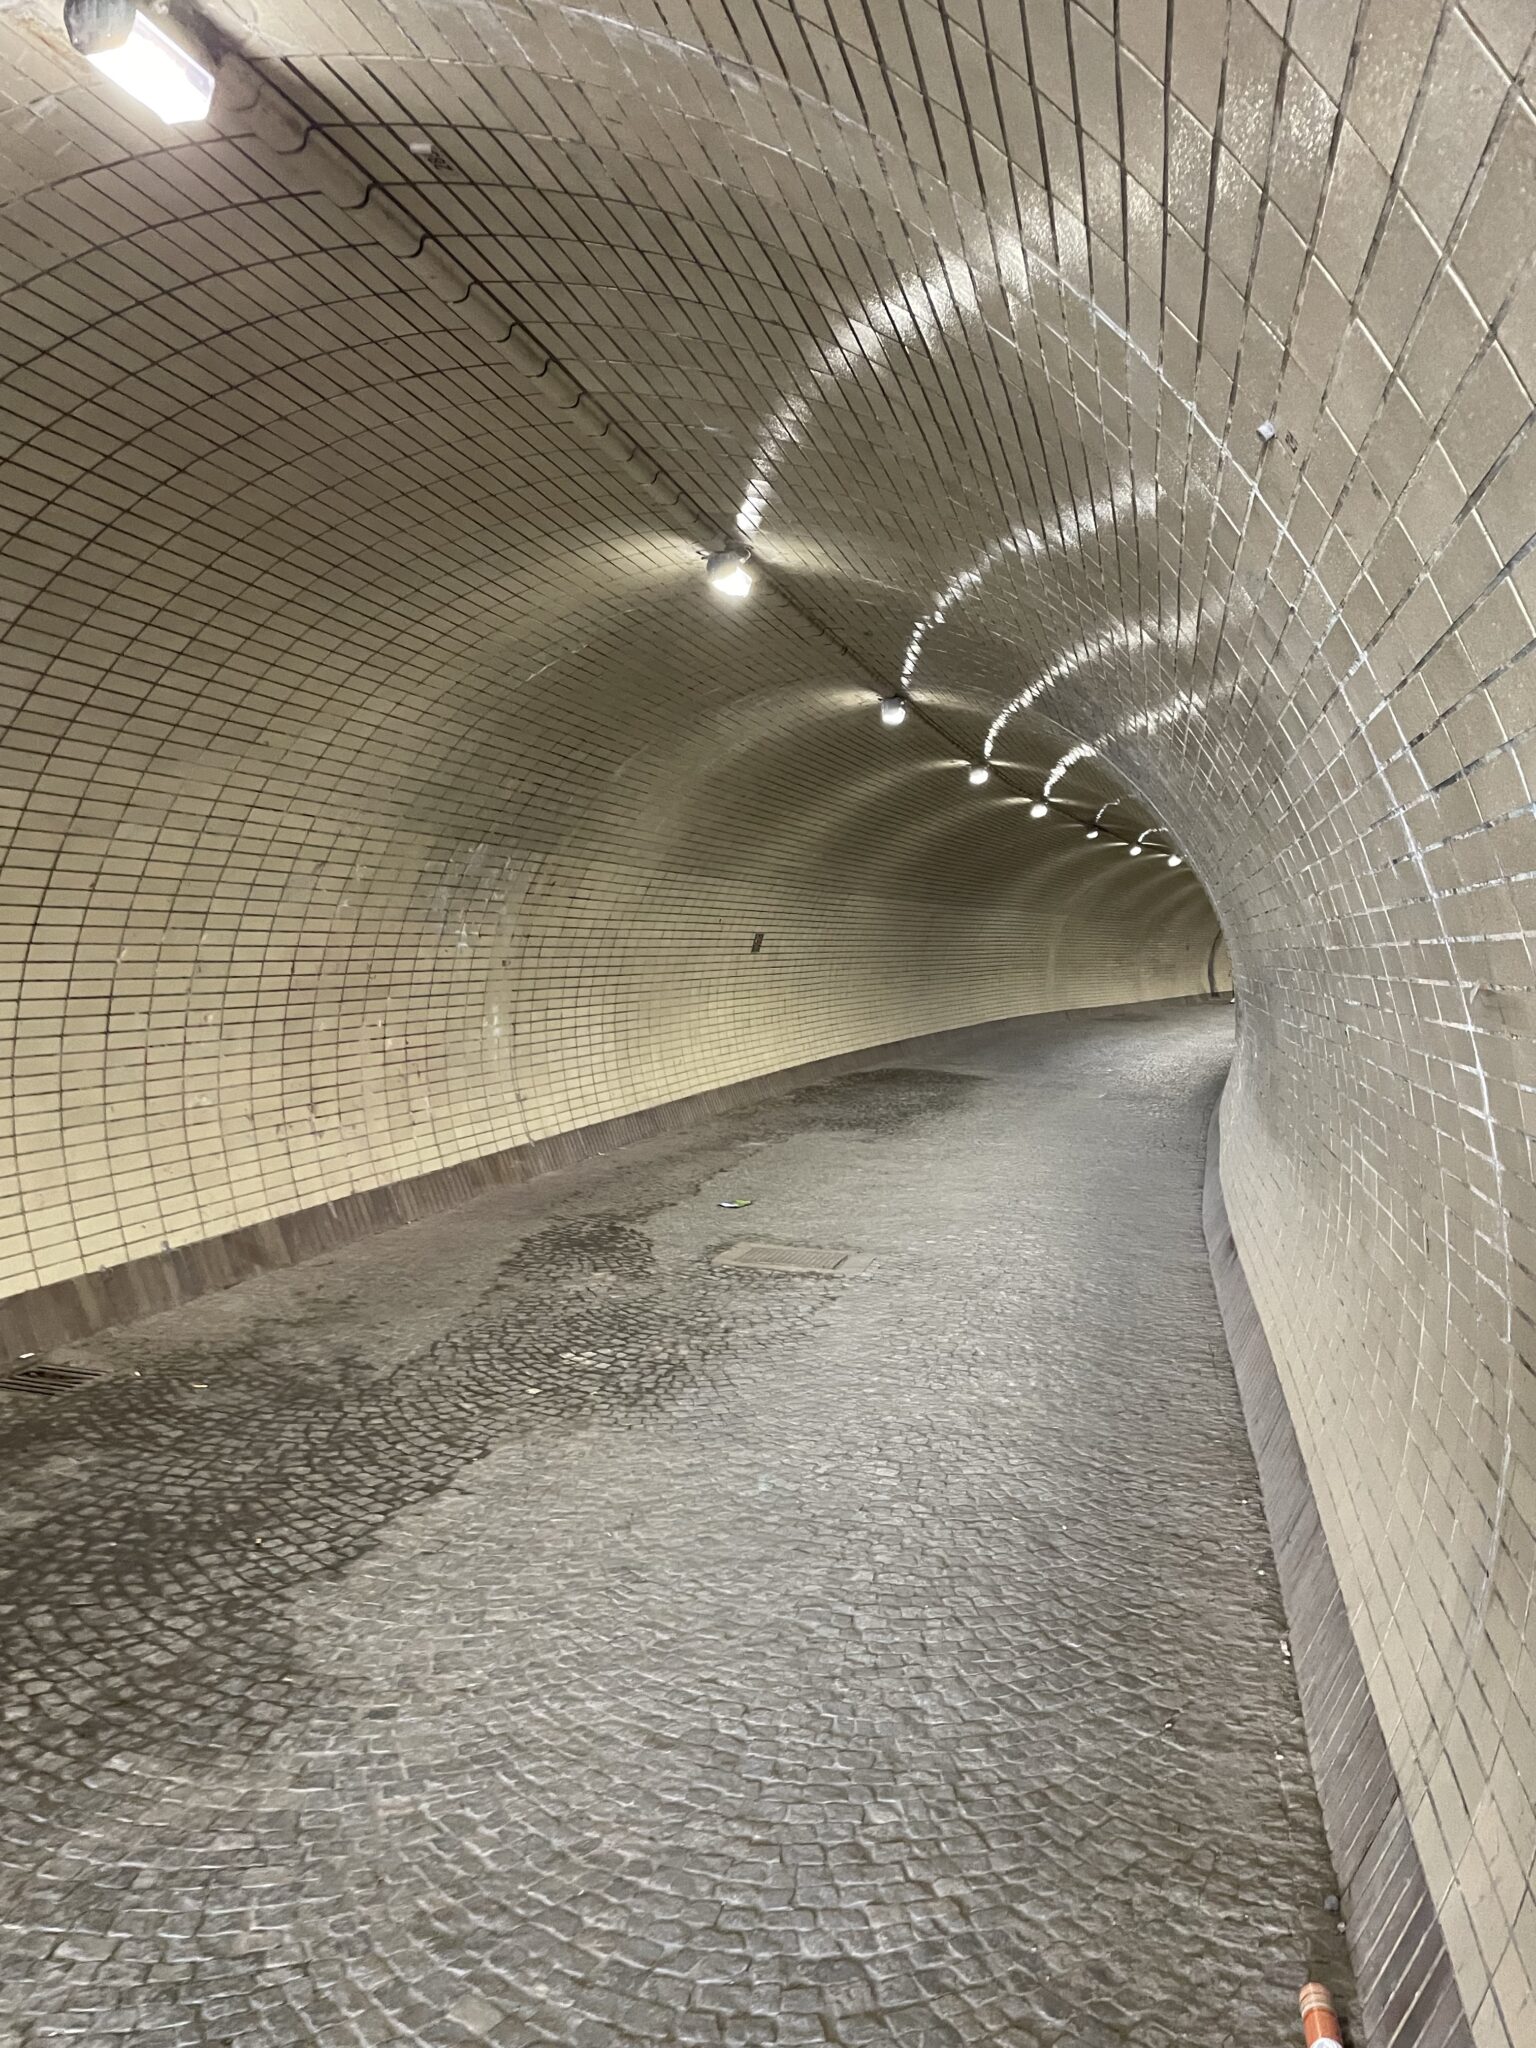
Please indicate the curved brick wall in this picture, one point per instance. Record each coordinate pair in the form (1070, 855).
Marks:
(392, 791)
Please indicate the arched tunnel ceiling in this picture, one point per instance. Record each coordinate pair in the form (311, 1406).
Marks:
(368, 704)
(821, 330)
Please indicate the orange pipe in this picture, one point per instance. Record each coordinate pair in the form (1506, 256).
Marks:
(1318, 2017)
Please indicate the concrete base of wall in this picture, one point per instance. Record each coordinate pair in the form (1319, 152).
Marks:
(1407, 1992)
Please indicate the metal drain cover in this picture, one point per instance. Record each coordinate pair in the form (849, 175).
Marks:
(45, 1378)
(796, 1258)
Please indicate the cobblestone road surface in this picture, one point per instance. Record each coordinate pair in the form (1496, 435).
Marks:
(519, 1630)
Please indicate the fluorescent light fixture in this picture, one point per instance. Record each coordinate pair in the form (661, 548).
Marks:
(979, 774)
(130, 47)
(729, 572)
(892, 710)
(1039, 810)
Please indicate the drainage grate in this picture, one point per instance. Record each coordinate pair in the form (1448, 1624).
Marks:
(44, 1378)
(796, 1258)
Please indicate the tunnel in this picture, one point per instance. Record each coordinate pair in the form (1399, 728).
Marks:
(882, 636)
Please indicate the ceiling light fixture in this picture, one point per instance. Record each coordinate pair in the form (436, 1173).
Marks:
(1039, 810)
(1175, 860)
(892, 710)
(128, 46)
(979, 774)
(1093, 831)
(729, 572)
(1134, 851)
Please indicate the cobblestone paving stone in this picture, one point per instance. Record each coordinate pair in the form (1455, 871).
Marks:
(518, 1630)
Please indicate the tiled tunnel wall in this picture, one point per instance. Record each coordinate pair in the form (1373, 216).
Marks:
(393, 792)
(390, 789)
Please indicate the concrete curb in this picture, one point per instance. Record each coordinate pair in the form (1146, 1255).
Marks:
(1408, 1996)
